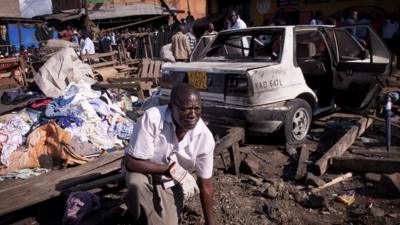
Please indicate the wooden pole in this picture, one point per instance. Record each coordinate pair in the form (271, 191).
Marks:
(87, 26)
(332, 182)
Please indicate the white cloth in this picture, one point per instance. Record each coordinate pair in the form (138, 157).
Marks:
(389, 29)
(238, 25)
(154, 139)
(88, 46)
(60, 70)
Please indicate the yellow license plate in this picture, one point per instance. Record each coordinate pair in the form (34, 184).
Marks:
(198, 80)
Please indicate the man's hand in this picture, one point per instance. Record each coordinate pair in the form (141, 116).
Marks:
(177, 172)
(183, 177)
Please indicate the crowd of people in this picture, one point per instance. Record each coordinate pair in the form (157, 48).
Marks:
(387, 26)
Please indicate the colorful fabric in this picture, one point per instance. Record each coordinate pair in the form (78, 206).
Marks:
(11, 134)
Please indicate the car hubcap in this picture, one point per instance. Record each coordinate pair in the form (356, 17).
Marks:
(300, 123)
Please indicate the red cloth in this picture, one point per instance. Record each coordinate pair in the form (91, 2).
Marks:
(41, 103)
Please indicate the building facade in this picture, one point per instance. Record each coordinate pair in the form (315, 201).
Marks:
(196, 7)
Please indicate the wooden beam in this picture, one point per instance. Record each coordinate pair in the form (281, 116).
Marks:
(343, 144)
(302, 164)
(375, 153)
(109, 63)
(235, 155)
(20, 194)
(99, 55)
(366, 165)
(236, 134)
(97, 183)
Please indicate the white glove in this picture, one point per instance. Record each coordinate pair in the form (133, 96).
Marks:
(189, 186)
(186, 180)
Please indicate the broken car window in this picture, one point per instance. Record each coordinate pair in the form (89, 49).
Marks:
(260, 45)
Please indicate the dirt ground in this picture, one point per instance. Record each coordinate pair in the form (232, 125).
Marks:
(271, 196)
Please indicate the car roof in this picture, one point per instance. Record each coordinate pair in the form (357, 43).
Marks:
(274, 28)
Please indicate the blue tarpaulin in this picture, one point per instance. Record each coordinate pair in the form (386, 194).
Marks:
(28, 37)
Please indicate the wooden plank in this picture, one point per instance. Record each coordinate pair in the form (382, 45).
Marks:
(157, 68)
(37, 189)
(97, 183)
(145, 68)
(109, 63)
(365, 165)
(151, 69)
(375, 153)
(302, 164)
(343, 144)
(150, 43)
(235, 155)
(99, 55)
(93, 174)
(8, 83)
(121, 86)
(129, 79)
(236, 134)
(9, 60)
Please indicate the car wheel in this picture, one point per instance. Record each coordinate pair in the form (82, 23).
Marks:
(297, 122)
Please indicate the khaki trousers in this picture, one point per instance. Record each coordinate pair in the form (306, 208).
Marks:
(150, 204)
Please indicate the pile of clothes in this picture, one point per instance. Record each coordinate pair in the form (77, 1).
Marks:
(68, 126)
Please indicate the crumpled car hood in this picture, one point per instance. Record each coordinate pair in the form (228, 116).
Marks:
(228, 67)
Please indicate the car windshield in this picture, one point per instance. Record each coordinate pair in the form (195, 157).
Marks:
(254, 45)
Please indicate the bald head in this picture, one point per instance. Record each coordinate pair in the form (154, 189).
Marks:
(182, 91)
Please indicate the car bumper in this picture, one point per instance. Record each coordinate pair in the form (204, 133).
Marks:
(256, 119)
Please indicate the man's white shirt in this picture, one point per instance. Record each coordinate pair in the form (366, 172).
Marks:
(238, 25)
(88, 46)
(154, 139)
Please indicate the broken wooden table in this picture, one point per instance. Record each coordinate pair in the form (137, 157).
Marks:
(227, 153)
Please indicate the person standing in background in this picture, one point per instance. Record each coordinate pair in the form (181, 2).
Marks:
(180, 45)
(192, 39)
(210, 30)
(317, 19)
(236, 21)
(389, 32)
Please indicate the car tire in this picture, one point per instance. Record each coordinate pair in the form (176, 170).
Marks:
(297, 122)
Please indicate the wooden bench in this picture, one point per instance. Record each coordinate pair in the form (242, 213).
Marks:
(101, 59)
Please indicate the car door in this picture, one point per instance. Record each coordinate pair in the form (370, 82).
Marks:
(360, 59)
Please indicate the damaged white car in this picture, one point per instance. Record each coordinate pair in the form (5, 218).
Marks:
(270, 78)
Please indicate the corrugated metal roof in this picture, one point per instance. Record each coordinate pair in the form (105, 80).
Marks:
(124, 10)
(65, 15)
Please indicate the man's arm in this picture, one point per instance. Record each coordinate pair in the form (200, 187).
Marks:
(206, 197)
(187, 46)
(144, 166)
